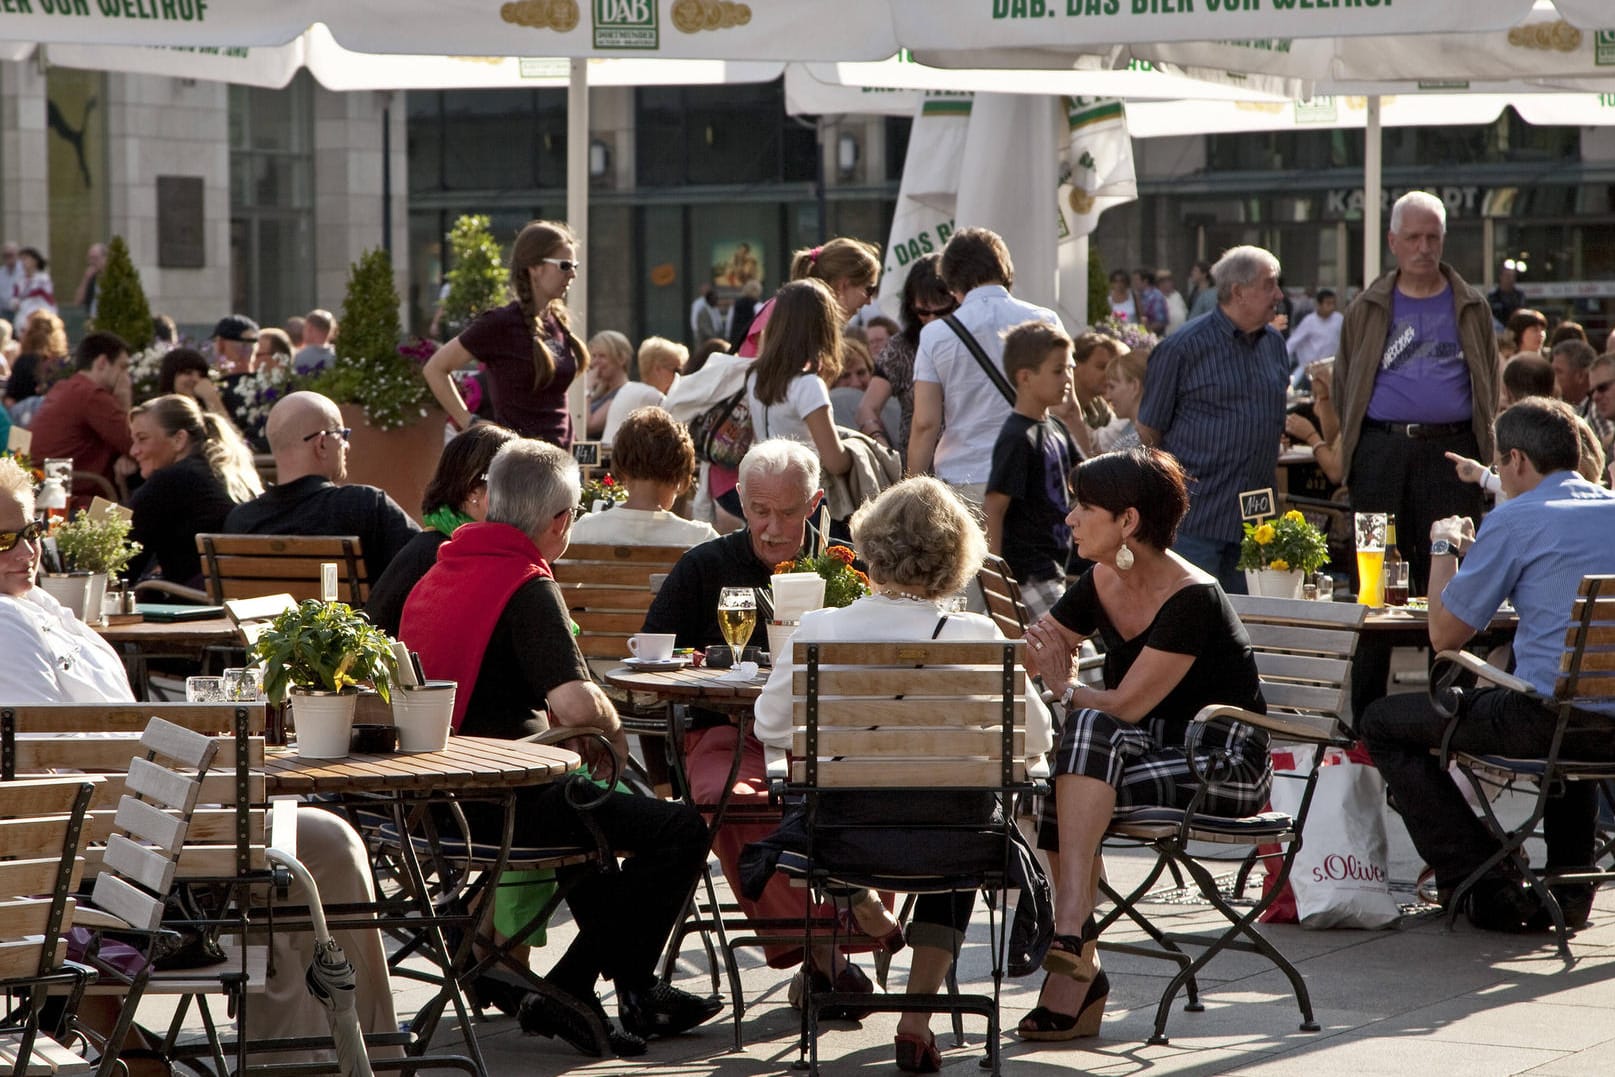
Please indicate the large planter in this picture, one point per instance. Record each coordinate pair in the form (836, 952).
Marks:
(1272, 583)
(400, 461)
(323, 721)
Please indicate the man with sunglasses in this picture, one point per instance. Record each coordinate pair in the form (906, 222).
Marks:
(310, 444)
(1601, 390)
(1572, 374)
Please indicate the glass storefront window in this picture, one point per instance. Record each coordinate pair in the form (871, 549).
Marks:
(272, 200)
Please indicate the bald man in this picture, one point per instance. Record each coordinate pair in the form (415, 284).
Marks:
(310, 444)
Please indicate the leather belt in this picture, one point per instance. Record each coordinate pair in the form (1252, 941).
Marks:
(1420, 431)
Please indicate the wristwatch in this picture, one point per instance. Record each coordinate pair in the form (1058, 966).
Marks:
(1065, 697)
(1443, 548)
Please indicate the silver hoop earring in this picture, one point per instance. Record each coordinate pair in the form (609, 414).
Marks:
(1124, 557)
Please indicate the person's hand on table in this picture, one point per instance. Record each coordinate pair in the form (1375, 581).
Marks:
(1457, 530)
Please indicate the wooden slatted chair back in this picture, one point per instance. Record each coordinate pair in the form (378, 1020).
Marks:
(929, 714)
(1587, 666)
(608, 590)
(1003, 595)
(1303, 652)
(42, 840)
(250, 566)
(226, 834)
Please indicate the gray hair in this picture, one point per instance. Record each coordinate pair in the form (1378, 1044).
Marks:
(1418, 200)
(530, 483)
(781, 456)
(1241, 266)
(1578, 353)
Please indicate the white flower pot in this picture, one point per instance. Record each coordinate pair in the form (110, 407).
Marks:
(1273, 583)
(779, 640)
(93, 613)
(422, 713)
(323, 721)
(71, 589)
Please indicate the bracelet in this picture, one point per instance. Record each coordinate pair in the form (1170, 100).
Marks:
(1315, 444)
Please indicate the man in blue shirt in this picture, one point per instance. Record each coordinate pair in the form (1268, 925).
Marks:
(1214, 398)
(1533, 549)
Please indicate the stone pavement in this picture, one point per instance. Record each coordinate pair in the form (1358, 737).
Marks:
(1411, 1000)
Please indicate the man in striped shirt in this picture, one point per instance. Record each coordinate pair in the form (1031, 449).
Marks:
(1214, 398)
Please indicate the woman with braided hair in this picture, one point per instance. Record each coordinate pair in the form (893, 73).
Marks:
(527, 347)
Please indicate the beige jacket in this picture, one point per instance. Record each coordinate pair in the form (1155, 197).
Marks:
(1362, 343)
(874, 467)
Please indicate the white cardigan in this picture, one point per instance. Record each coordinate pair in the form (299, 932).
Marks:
(882, 619)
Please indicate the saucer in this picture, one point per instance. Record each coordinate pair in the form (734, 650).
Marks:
(653, 664)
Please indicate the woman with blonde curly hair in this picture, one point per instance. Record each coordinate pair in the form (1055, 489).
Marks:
(921, 544)
(526, 347)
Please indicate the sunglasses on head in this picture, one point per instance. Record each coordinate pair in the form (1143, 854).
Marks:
(9, 539)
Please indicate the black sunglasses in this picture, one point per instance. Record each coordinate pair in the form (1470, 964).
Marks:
(344, 433)
(31, 533)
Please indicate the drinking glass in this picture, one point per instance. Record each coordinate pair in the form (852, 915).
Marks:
(242, 684)
(1326, 586)
(1396, 584)
(737, 616)
(205, 690)
(1370, 531)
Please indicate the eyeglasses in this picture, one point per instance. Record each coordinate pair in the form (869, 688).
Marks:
(1602, 387)
(342, 432)
(31, 533)
(578, 512)
(565, 265)
(935, 312)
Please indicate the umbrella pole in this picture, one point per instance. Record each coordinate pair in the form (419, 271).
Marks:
(1373, 225)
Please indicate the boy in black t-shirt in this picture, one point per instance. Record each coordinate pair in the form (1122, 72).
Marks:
(1028, 491)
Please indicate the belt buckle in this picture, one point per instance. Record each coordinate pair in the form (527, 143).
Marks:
(1414, 430)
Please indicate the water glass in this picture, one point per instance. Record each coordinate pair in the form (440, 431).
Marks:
(205, 690)
(242, 684)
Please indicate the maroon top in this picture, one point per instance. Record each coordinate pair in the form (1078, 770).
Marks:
(502, 340)
(79, 419)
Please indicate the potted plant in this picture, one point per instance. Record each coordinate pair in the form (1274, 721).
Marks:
(843, 585)
(319, 653)
(98, 545)
(1278, 554)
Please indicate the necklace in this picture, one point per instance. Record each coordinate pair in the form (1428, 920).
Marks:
(894, 594)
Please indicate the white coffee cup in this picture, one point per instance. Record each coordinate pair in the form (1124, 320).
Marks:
(652, 646)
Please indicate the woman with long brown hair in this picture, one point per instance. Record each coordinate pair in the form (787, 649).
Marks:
(527, 347)
(787, 388)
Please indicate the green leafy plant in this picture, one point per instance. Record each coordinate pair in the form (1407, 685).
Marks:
(476, 273)
(605, 488)
(843, 584)
(96, 543)
(370, 370)
(324, 646)
(120, 305)
(1283, 544)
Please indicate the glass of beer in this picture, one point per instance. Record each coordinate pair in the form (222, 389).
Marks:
(1370, 529)
(737, 616)
(1396, 584)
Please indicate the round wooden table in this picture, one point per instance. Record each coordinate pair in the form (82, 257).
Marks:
(468, 764)
(701, 687)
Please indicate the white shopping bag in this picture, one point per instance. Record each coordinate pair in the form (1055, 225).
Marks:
(1340, 876)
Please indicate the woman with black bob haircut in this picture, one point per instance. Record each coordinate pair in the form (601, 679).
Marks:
(457, 494)
(1172, 645)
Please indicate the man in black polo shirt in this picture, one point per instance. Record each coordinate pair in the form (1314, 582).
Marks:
(311, 457)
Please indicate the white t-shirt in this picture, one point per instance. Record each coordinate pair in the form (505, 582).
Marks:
(805, 394)
(631, 396)
(973, 410)
(641, 527)
(53, 657)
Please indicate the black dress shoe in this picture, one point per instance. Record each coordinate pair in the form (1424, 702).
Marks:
(1501, 904)
(1575, 901)
(501, 991)
(583, 1024)
(663, 1010)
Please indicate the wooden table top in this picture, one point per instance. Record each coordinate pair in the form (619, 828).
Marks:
(467, 764)
(688, 685)
(170, 633)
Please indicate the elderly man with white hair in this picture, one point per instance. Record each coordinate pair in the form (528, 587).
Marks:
(779, 489)
(1214, 398)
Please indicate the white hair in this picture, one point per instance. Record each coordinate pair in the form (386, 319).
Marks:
(1241, 266)
(1418, 200)
(530, 483)
(781, 456)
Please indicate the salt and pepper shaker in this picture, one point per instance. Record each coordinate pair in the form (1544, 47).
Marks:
(328, 581)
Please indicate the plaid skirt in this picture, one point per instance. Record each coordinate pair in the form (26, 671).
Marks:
(1145, 769)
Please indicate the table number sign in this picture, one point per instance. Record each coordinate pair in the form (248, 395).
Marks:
(1256, 504)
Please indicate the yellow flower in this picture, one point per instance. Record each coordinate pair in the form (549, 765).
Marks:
(1295, 517)
(1279, 564)
(1264, 534)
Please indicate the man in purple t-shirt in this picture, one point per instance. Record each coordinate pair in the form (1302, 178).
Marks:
(1415, 378)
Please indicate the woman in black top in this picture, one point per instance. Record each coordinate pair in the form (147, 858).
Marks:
(1173, 645)
(196, 469)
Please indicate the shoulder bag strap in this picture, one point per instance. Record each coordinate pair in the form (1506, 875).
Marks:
(941, 623)
(994, 375)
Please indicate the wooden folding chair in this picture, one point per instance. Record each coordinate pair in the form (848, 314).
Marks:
(1303, 652)
(1586, 674)
(908, 719)
(250, 566)
(608, 590)
(1003, 594)
(42, 834)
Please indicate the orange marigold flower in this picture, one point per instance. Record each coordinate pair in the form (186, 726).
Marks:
(785, 566)
(861, 577)
(842, 554)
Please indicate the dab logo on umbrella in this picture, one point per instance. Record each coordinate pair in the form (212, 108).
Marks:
(626, 24)
(1604, 48)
